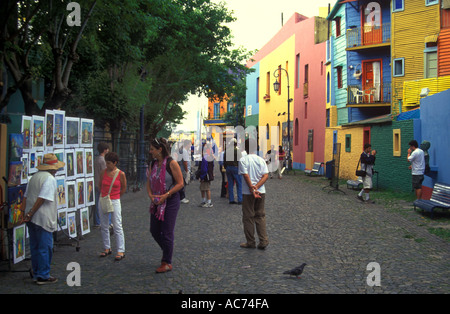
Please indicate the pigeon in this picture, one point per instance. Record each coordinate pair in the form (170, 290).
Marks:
(296, 271)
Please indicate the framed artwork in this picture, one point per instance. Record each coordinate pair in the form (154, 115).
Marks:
(27, 132)
(90, 195)
(62, 219)
(89, 162)
(19, 243)
(72, 224)
(39, 158)
(58, 128)
(84, 221)
(86, 132)
(72, 132)
(60, 155)
(15, 146)
(38, 132)
(70, 195)
(70, 164)
(61, 200)
(49, 129)
(15, 199)
(15, 173)
(24, 176)
(32, 162)
(80, 193)
(79, 162)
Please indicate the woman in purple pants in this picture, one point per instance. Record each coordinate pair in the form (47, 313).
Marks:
(164, 182)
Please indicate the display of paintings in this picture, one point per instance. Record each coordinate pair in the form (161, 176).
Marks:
(72, 224)
(24, 176)
(88, 162)
(79, 162)
(70, 164)
(15, 146)
(86, 132)
(38, 132)
(70, 195)
(84, 221)
(58, 128)
(15, 173)
(72, 132)
(59, 153)
(61, 200)
(19, 243)
(80, 193)
(39, 158)
(90, 195)
(49, 129)
(62, 219)
(32, 162)
(15, 199)
(26, 133)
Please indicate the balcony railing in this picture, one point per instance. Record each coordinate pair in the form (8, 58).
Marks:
(369, 35)
(378, 94)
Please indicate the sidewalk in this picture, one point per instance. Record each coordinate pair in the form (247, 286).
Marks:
(335, 234)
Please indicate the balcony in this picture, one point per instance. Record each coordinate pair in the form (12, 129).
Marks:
(369, 36)
(377, 95)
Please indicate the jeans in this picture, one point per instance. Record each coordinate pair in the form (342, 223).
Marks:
(234, 176)
(116, 217)
(41, 247)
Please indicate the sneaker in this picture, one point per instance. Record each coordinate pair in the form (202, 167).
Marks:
(201, 204)
(232, 202)
(164, 268)
(360, 198)
(184, 201)
(50, 280)
(207, 205)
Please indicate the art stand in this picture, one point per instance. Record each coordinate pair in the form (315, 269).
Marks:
(334, 182)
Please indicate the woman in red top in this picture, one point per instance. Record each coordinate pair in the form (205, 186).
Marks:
(119, 187)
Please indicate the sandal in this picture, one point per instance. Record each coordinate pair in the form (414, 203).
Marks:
(120, 257)
(105, 253)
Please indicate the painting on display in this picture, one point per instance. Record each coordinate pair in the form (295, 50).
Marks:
(70, 164)
(15, 199)
(72, 224)
(84, 221)
(86, 132)
(39, 158)
(38, 132)
(49, 129)
(79, 162)
(80, 193)
(26, 133)
(15, 173)
(59, 153)
(15, 146)
(88, 162)
(61, 200)
(19, 243)
(24, 176)
(62, 219)
(32, 162)
(71, 195)
(90, 195)
(72, 132)
(58, 128)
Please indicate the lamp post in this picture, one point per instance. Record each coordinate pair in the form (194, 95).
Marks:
(276, 87)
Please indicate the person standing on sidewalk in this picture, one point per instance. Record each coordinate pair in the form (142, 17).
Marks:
(206, 175)
(281, 159)
(255, 173)
(99, 167)
(416, 157)
(119, 187)
(41, 217)
(164, 182)
(231, 159)
(367, 162)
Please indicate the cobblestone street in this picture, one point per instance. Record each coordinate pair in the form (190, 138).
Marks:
(335, 234)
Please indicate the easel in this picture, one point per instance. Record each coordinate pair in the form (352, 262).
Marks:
(334, 182)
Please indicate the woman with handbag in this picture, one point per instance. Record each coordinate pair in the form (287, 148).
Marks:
(164, 182)
(367, 160)
(113, 186)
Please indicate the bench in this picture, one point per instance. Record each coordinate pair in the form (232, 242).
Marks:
(314, 170)
(440, 198)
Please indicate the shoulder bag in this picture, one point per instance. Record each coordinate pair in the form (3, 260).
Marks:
(105, 201)
(360, 173)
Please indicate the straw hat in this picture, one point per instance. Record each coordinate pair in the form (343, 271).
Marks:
(50, 162)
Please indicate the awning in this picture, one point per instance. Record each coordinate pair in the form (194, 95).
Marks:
(375, 120)
(431, 38)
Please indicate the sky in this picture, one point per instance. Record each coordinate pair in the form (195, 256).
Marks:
(257, 21)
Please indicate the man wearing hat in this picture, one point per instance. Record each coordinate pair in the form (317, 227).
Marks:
(41, 217)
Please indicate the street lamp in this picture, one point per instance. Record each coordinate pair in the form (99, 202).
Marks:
(276, 87)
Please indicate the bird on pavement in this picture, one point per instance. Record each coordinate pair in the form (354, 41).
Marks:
(297, 271)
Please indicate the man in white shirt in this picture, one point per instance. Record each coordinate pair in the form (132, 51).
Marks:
(255, 173)
(41, 217)
(416, 157)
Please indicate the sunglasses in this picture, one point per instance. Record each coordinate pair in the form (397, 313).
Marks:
(157, 143)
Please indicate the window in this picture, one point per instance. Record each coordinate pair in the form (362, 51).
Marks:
(268, 85)
(311, 140)
(257, 90)
(327, 124)
(297, 71)
(348, 143)
(399, 67)
(306, 72)
(339, 77)
(398, 5)
(337, 23)
(431, 2)
(328, 87)
(397, 142)
(306, 110)
(296, 132)
(431, 63)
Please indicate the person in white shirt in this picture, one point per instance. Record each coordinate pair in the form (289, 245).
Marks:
(416, 157)
(255, 173)
(40, 207)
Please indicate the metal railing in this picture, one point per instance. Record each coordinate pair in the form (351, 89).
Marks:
(379, 93)
(369, 35)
